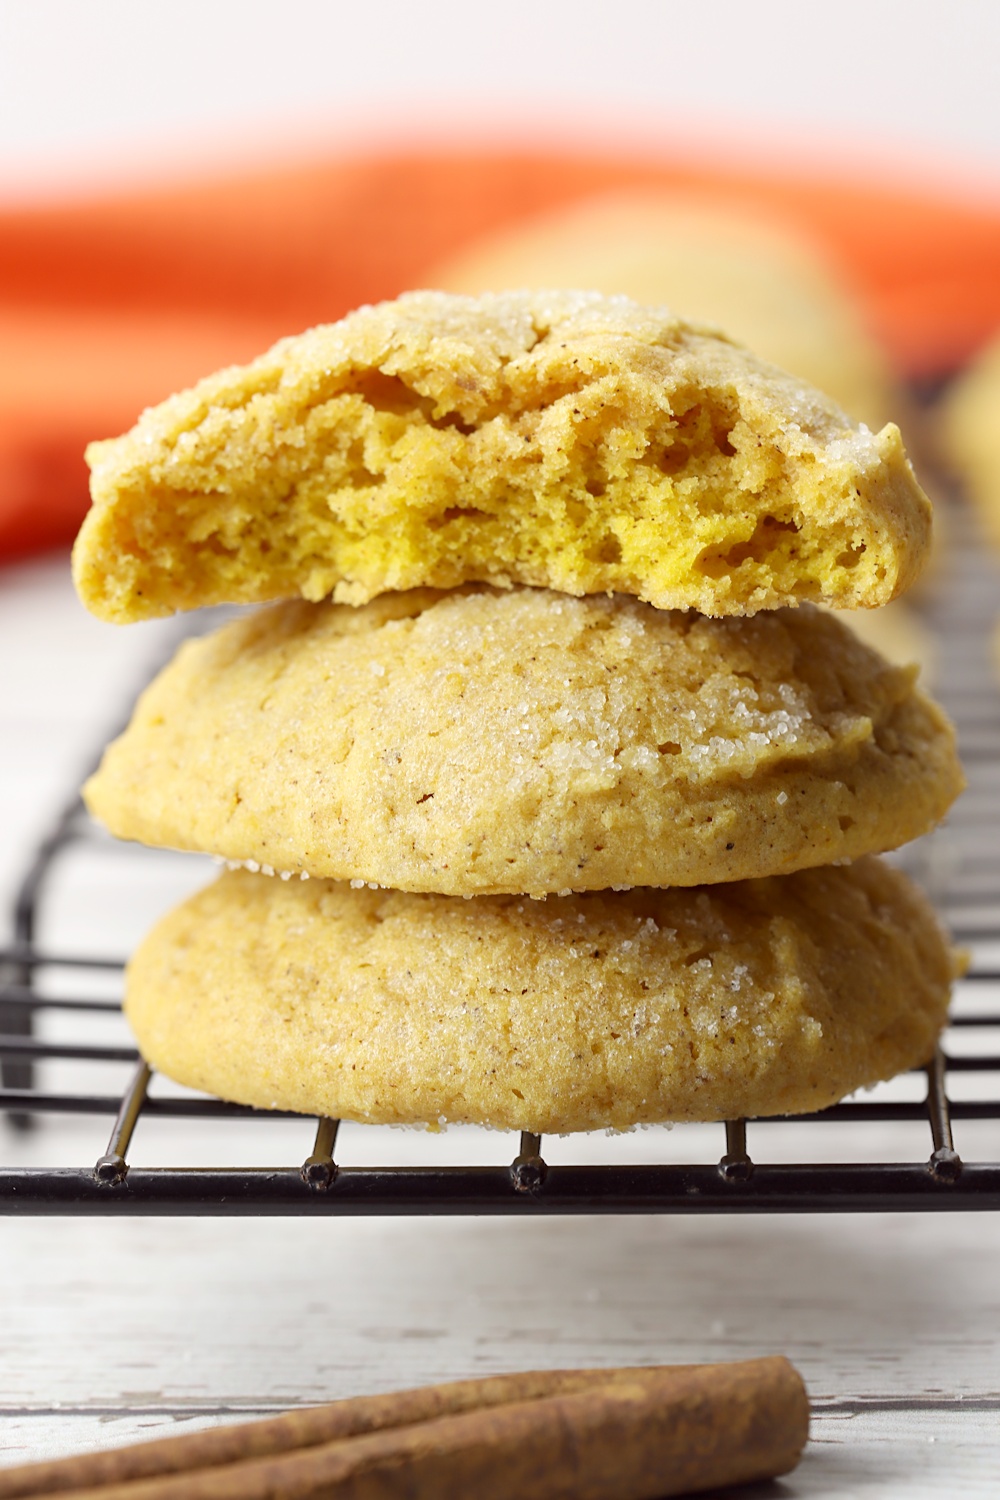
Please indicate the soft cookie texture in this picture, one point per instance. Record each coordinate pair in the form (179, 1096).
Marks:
(525, 741)
(577, 1013)
(569, 440)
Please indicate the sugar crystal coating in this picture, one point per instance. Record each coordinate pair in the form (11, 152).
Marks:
(574, 1013)
(530, 742)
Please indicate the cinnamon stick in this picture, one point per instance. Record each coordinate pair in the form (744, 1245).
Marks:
(293, 1430)
(616, 1435)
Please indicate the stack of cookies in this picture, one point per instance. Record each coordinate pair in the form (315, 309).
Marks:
(561, 812)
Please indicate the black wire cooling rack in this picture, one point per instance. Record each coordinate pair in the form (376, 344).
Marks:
(959, 865)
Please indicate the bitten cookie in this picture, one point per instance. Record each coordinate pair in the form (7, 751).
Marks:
(529, 742)
(576, 1013)
(567, 440)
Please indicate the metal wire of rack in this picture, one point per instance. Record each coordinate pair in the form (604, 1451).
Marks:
(959, 865)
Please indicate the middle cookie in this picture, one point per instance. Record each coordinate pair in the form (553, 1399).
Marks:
(528, 742)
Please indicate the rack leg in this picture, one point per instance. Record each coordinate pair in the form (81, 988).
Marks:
(16, 1020)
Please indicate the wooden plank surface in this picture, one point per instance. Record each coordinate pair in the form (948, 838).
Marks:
(116, 1330)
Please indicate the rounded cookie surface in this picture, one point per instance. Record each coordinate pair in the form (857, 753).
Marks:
(576, 1013)
(899, 633)
(563, 440)
(528, 742)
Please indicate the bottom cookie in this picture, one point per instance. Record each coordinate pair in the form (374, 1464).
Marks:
(601, 1010)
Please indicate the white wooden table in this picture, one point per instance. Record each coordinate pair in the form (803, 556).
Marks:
(112, 1330)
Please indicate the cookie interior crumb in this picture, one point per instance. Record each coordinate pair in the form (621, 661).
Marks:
(565, 440)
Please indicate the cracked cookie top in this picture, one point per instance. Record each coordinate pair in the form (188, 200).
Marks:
(565, 439)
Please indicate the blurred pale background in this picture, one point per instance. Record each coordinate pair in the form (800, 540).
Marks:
(111, 89)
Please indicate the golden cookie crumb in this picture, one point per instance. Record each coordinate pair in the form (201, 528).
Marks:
(567, 440)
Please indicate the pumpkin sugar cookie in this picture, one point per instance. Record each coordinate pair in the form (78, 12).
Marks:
(526, 741)
(576, 1013)
(567, 440)
(971, 420)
